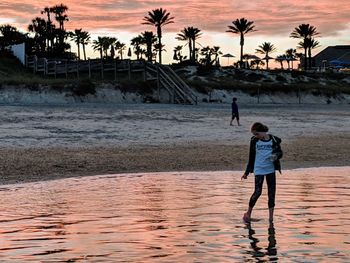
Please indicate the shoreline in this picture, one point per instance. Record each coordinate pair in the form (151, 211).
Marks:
(22, 165)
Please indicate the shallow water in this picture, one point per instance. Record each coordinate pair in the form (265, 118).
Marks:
(176, 217)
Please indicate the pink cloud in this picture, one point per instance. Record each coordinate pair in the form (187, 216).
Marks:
(270, 17)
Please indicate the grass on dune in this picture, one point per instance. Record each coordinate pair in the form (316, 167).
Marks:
(12, 72)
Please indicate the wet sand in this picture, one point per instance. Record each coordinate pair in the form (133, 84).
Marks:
(177, 217)
(44, 143)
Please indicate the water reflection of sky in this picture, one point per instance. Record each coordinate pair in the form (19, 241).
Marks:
(176, 217)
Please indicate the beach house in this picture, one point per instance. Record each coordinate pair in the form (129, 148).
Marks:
(333, 57)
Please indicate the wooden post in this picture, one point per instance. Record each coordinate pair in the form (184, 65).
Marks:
(129, 69)
(45, 66)
(89, 69)
(115, 69)
(35, 64)
(66, 67)
(158, 82)
(102, 69)
(144, 71)
(55, 69)
(173, 96)
(78, 69)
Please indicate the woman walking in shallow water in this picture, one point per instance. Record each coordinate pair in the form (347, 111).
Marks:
(264, 155)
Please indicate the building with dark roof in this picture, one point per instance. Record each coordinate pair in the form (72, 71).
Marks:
(332, 56)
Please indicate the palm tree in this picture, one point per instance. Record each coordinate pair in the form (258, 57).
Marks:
(49, 25)
(76, 37)
(149, 39)
(136, 42)
(207, 53)
(280, 59)
(309, 44)
(97, 45)
(190, 34)
(216, 52)
(85, 40)
(304, 32)
(108, 42)
(102, 45)
(157, 47)
(10, 35)
(291, 55)
(158, 18)
(120, 47)
(184, 36)
(257, 63)
(60, 16)
(266, 48)
(246, 58)
(241, 26)
(38, 27)
(47, 11)
(177, 53)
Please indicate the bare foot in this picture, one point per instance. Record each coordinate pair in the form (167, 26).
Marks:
(246, 218)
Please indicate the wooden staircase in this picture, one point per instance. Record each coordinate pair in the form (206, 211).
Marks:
(179, 91)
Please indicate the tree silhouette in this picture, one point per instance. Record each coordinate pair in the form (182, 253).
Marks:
(207, 53)
(309, 44)
(266, 48)
(102, 44)
(149, 39)
(49, 26)
(257, 63)
(177, 54)
(280, 59)
(60, 16)
(291, 56)
(158, 18)
(137, 42)
(120, 47)
(76, 37)
(241, 26)
(304, 32)
(85, 40)
(38, 27)
(9, 35)
(190, 34)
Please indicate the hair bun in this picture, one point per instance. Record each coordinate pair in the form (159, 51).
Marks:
(259, 127)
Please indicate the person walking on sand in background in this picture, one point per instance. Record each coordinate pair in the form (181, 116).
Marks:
(264, 159)
(235, 114)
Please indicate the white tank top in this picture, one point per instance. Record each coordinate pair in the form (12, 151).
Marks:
(263, 163)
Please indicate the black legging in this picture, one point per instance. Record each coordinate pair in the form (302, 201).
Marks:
(271, 189)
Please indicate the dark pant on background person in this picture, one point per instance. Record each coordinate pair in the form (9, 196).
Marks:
(235, 115)
(271, 189)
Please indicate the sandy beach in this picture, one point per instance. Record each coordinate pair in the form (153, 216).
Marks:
(50, 142)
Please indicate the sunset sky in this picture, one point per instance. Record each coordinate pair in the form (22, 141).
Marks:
(122, 19)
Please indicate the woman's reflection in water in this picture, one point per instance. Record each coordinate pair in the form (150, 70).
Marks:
(271, 249)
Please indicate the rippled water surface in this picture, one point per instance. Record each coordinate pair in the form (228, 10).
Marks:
(176, 217)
